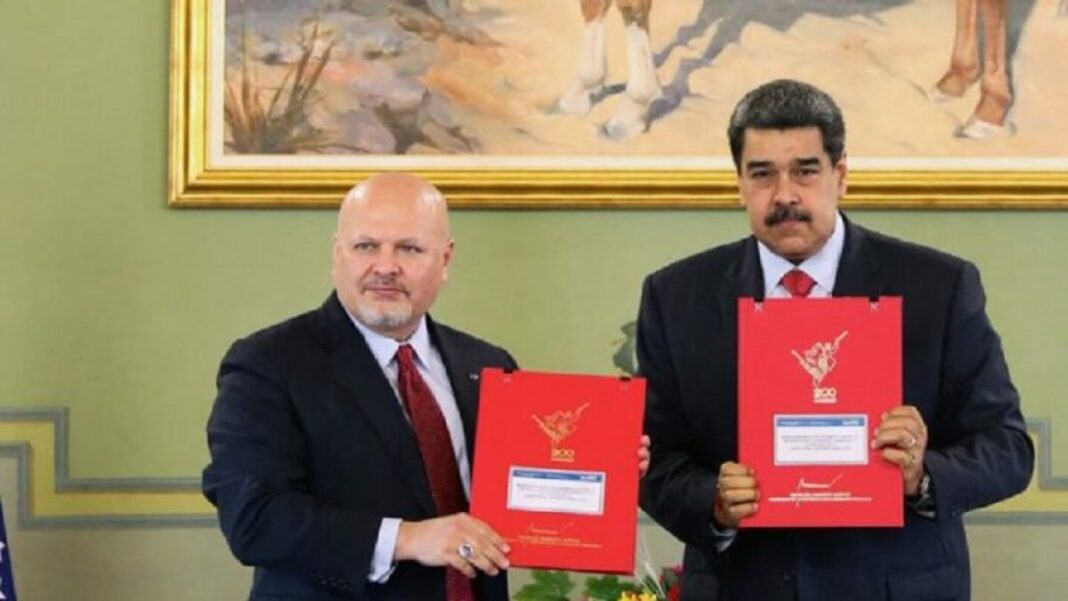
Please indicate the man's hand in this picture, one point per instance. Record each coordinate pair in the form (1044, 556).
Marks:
(436, 542)
(736, 495)
(643, 456)
(902, 436)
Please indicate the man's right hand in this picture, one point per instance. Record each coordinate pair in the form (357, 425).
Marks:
(736, 495)
(436, 542)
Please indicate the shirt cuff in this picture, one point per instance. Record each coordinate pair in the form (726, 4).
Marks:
(382, 565)
(724, 536)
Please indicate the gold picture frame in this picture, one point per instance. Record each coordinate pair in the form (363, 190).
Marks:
(196, 179)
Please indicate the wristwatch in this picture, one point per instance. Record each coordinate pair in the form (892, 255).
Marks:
(923, 500)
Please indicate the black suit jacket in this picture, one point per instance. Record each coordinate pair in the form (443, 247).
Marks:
(310, 449)
(954, 373)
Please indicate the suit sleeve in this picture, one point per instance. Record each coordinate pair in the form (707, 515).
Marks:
(259, 480)
(507, 359)
(677, 491)
(979, 451)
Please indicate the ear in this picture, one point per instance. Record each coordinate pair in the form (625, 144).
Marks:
(447, 258)
(841, 170)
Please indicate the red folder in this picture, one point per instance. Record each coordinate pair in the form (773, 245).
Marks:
(814, 378)
(556, 469)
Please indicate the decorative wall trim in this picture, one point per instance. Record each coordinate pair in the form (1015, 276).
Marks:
(1045, 501)
(38, 440)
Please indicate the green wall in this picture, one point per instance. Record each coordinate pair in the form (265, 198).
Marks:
(119, 308)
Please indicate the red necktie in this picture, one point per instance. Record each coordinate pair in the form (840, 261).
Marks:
(797, 283)
(438, 458)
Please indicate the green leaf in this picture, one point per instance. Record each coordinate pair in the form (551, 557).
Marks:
(548, 585)
(608, 588)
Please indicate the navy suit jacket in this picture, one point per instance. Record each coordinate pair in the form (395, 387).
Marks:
(954, 373)
(310, 449)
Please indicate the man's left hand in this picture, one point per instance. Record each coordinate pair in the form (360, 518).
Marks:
(643, 456)
(902, 436)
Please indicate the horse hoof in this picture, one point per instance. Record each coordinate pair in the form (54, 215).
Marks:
(622, 129)
(936, 95)
(629, 120)
(577, 100)
(977, 129)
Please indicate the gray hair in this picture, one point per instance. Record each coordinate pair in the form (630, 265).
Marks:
(787, 104)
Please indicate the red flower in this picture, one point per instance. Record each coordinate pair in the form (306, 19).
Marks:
(671, 580)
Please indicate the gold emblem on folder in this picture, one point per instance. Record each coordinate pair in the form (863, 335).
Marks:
(818, 361)
(558, 425)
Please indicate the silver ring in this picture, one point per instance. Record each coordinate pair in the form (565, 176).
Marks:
(912, 442)
(466, 550)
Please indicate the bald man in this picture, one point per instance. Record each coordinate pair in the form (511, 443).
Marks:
(340, 439)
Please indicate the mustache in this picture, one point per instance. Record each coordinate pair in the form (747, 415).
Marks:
(384, 282)
(783, 212)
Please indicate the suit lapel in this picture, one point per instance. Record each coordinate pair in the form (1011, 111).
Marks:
(463, 376)
(356, 369)
(859, 268)
(748, 274)
(743, 277)
(717, 333)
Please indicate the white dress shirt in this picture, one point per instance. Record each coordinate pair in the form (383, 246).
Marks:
(432, 369)
(821, 267)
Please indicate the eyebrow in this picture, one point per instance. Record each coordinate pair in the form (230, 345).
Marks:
(802, 162)
(408, 240)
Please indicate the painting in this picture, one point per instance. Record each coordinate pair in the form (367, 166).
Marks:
(610, 103)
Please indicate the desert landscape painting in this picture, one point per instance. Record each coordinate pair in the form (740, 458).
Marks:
(927, 82)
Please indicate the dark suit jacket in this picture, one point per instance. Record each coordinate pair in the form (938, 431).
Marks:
(954, 373)
(310, 449)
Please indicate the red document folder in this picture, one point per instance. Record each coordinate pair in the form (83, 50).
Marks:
(556, 468)
(814, 378)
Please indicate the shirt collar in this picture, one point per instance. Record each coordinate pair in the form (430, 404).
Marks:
(385, 348)
(821, 267)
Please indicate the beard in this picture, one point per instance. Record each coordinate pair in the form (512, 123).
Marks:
(378, 315)
(383, 318)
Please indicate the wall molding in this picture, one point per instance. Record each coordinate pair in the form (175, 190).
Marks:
(48, 497)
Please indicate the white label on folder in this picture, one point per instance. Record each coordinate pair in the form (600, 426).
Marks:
(821, 439)
(556, 491)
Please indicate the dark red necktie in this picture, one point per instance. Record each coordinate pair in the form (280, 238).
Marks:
(797, 283)
(438, 458)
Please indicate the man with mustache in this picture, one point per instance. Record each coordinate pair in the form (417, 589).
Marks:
(959, 438)
(341, 439)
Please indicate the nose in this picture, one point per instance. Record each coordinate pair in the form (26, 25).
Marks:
(785, 191)
(386, 263)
